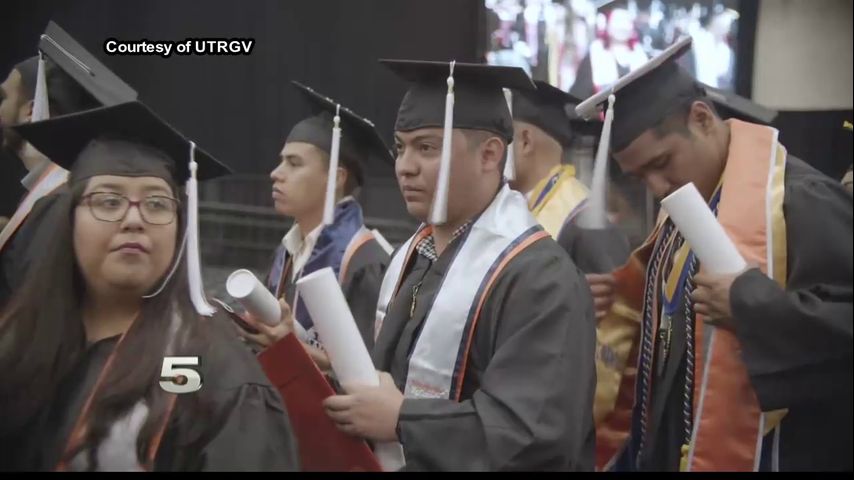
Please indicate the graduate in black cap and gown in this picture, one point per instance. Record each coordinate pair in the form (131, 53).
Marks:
(744, 371)
(64, 78)
(329, 228)
(485, 326)
(89, 375)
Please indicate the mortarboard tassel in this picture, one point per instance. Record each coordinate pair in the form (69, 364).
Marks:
(510, 164)
(594, 216)
(41, 103)
(332, 177)
(439, 214)
(194, 271)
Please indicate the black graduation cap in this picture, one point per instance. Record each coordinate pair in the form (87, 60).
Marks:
(127, 139)
(74, 79)
(479, 101)
(130, 140)
(451, 95)
(552, 110)
(730, 105)
(645, 96)
(360, 139)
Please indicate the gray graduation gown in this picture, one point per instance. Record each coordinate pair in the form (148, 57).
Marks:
(526, 401)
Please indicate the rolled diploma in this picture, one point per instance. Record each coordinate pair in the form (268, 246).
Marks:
(697, 223)
(341, 339)
(257, 300)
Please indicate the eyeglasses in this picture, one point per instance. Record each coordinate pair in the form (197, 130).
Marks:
(112, 207)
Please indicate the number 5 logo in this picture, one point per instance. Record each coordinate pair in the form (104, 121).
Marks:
(171, 377)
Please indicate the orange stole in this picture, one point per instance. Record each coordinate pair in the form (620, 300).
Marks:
(728, 426)
(728, 423)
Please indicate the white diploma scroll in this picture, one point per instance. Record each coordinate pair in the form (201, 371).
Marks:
(341, 339)
(695, 220)
(257, 300)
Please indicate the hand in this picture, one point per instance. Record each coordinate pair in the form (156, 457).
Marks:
(603, 288)
(367, 412)
(711, 298)
(269, 335)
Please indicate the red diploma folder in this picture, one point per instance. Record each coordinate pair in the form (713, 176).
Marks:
(322, 447)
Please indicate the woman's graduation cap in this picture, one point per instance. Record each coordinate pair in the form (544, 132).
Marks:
(130, 140)
(344, 135)
(451, 95)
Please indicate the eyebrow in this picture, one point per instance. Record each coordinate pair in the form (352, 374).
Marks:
(116, 187)
(419, 138)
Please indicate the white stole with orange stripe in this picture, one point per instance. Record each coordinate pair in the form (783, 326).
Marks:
(51, 179)
(433, 363)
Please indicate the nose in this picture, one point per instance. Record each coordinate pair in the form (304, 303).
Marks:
(658, 185)
(132, 222)
(405, 165)
(277, 175)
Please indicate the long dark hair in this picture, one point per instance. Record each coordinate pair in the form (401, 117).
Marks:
(42, 337)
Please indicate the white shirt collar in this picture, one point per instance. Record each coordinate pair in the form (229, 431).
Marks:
(300, 248)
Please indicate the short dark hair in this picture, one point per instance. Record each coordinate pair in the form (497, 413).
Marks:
(355, 177)
(476, 138)
(676, 119)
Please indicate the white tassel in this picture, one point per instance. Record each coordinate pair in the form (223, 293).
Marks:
(594, 217)
(41, 105)
(194, 270)
(510, 165)
(439, 213)
(41, 102)
(332, 177)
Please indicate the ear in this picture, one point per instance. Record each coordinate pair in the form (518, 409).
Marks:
(25, 112)
(702, 117)
(527, 138)
(341, 179)
(491, 153)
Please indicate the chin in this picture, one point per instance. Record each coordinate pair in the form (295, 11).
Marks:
(419, 211)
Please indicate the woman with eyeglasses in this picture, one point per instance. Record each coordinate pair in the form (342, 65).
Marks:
(108, 360)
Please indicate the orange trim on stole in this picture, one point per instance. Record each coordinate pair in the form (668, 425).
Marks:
(516, 250)
(351, 250)
(730, 444)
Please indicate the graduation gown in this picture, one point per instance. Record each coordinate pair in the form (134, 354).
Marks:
(246, 426)
(345, 245)
(796, 343)
(361, 286)
(18, 253)
(526, 399)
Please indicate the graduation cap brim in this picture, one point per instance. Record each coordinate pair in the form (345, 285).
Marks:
(479, 101)
(589, 107)
(357, 128)
(645, 96)
(104, 85)
(63, 138)
(422, 71)
(730, 105)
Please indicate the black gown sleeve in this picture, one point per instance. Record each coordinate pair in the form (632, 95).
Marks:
(797, 341)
